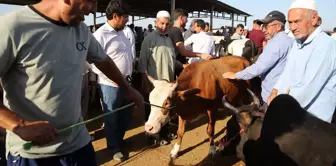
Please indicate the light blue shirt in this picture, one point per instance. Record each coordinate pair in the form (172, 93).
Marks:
(310, 74)
(270, 63)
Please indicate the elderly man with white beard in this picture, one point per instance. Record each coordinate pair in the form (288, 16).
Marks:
(158, 61)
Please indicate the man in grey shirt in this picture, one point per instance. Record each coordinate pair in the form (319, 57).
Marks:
(239, 32)
(190, 31)
(42, 52)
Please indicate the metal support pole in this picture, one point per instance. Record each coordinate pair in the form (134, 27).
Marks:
(94, 20)
(232, 19)
(172, 7)
(245, 20)
(211, 17)
(132, 19)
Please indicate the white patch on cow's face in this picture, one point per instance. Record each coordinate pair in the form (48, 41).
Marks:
(161, 91)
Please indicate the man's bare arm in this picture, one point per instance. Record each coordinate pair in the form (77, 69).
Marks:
(8, 119)
(273, 94)
(188, 53)
(39, 132)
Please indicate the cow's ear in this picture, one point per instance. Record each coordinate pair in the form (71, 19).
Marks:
(188, 93)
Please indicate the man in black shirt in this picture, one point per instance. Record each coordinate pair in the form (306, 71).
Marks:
(180, 17)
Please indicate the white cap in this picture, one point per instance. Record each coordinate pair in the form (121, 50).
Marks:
(162, 13)
(304, 4)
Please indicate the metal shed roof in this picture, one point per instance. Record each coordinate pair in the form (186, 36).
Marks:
(141, 7)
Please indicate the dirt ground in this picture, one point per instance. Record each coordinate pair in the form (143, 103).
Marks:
(194, 149)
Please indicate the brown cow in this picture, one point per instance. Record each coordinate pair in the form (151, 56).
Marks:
(198, 91)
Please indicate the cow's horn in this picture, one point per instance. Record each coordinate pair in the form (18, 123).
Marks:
(175, 84)
(255, 98)
(229, 106)
(171, 95)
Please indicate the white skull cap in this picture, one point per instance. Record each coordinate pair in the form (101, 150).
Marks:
(162, 13)
(304, 4)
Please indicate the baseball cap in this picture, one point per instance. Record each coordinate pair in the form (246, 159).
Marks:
(272, 16)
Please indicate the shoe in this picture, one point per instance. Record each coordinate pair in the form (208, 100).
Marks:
(119, 157)
(163, 142)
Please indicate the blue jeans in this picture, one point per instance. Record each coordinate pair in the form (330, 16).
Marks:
(84, 156)
(115, 124)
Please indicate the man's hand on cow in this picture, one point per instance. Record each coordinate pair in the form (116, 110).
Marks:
(38, 132)
(287, 91)
(206, 56)
(229, 75)
(134, 96)
(274, 93)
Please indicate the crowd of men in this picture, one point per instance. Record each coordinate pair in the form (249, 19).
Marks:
(303, 68)
(42, 79)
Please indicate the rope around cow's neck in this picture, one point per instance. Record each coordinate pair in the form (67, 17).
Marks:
(28, 145)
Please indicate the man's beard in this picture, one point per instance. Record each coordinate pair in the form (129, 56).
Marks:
(162, 31)
(121, 27)
(76, 21)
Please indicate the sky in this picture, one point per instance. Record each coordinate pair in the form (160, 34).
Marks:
(257, 8)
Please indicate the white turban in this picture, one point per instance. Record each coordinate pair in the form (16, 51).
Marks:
(163, 13)
(304, 4)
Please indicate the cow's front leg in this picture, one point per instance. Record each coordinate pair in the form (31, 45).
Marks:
(211, 130)
(180, 133)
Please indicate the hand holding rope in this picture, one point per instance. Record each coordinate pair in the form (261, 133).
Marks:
(28, 145)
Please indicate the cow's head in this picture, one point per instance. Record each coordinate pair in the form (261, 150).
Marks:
(245, 113)
(165, 94)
